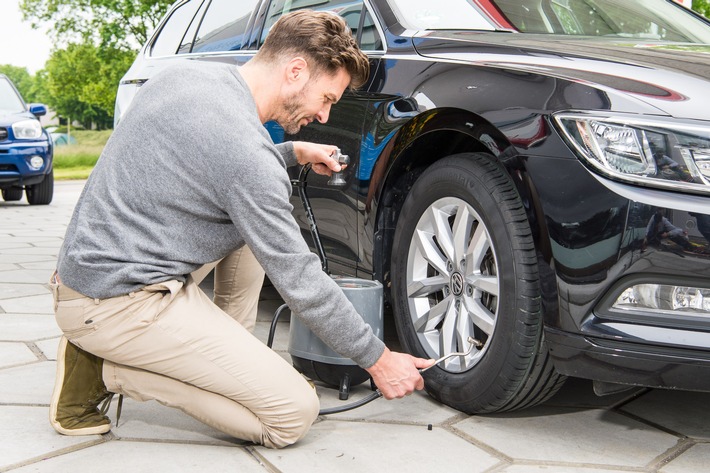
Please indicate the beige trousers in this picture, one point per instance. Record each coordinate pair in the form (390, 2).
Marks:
(170, 343)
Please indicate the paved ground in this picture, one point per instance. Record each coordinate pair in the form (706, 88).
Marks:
(644, 431)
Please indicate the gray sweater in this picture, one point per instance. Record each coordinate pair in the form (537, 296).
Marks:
(188, 176)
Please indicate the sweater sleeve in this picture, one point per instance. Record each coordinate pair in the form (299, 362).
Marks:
(288, 153)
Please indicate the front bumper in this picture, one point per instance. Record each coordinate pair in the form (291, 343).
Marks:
(15, 169)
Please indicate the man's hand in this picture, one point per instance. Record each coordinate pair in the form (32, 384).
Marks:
(320, 156)
(397, 374)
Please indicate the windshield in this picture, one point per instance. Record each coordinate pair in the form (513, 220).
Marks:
(9, 100)
(641, 19)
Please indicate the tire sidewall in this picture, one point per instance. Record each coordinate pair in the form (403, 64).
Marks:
(468, 177)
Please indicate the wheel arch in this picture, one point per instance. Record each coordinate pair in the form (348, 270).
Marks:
(423, 141)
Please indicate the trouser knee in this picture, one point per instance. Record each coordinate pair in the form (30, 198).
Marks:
(285, 430)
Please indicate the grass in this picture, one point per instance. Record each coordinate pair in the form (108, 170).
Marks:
(76, 161)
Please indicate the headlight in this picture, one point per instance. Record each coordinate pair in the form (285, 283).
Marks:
(27, 129)
(642, 152)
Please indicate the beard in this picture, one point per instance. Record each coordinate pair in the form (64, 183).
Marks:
(291, 108)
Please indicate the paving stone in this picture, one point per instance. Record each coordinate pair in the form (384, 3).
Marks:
(591, 437)
(153, 421)
(363, 447)
(27, 327)
(11, 291)
(694, 460)
(42, 304)
(555, 469)
(28, 276)
(28, 385)
(418, 408)
(15, 353)
(121, 457)
(5, 258)
(26, 434)
(689, 416)
(48, 265)
(49, 348)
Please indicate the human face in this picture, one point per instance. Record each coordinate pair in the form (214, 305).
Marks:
(313, 101)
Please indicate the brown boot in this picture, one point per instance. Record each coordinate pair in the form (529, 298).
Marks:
(78, 391)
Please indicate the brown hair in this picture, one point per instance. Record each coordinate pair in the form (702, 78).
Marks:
(323, 38)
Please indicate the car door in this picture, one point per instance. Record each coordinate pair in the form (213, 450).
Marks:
(336, 208)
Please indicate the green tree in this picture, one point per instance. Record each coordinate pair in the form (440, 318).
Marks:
(702, 7)
(22, 80)
(116, 24)
(99, 40)
(81, 82)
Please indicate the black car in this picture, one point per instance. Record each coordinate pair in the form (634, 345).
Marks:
(534, 174)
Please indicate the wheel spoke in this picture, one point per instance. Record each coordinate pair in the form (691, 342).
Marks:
(480, 315)
(461, 232)
(477, 249)
(430, 251)
(426, 286)
(447, 337)
(439, 220)
(431, 318)
(488, 284)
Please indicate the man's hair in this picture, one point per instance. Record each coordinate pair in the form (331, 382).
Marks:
(323, 38)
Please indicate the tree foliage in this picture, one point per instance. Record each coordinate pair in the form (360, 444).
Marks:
(95, 44)
(116, 24)
(702, 7)
(21, 78)
(81, 82)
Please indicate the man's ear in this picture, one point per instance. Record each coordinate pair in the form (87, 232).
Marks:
(297, 70)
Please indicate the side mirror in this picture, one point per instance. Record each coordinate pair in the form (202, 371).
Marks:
(38, 109)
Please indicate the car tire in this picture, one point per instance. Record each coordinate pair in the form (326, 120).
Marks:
(42, 193)
(12, 194)
(464, 265)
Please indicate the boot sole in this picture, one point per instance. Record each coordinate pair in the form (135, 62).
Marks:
(99, 429)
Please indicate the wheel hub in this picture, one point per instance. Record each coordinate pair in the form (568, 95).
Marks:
(456, 284)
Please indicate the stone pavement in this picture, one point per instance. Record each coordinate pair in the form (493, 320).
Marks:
(575, 432)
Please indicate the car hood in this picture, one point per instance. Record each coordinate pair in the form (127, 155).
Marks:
(7, 119)
(672, 78)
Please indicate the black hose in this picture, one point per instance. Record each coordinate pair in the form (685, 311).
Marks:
(272, 330)
(353, 405)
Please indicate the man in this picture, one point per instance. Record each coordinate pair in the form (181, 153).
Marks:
(188, 177)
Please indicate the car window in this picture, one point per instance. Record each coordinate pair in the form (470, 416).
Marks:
(362, 26)
(646, 19)
(189, 38)
(171, 34)
(10, 102)
(224, 26)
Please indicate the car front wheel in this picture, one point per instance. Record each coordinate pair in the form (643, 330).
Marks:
(464, 265)
(42, 193)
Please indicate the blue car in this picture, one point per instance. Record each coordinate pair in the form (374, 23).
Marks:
(26, 149)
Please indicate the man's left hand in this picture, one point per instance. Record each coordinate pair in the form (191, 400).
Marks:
(319, 156)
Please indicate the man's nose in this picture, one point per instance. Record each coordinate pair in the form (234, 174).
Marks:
(323, 114)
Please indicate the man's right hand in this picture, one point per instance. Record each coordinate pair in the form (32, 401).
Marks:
(397, 374)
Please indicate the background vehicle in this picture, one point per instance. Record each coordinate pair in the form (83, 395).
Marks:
(26, 149)
(535, 174)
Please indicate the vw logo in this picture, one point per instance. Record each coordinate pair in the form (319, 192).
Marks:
(457, 284)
